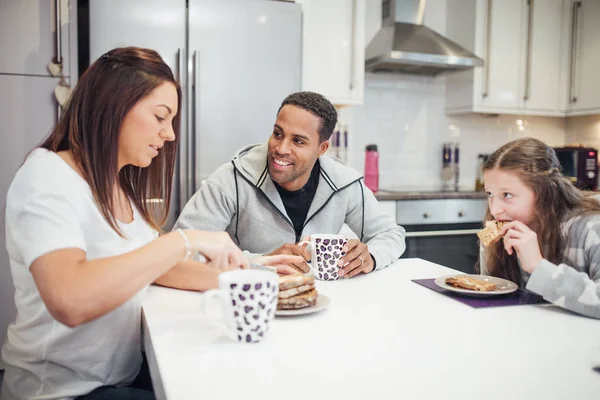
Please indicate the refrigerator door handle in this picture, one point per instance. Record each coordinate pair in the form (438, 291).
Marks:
(58, 32)
(58, 46)
(192, 107)
(180, 187)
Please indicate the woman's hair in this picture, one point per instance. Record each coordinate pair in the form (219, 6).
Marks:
(537, 165)
(91, 123)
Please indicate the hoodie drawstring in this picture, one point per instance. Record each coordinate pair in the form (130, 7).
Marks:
(362, 227)
(237, 205)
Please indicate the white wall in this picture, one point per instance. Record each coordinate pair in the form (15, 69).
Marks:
(405, 116)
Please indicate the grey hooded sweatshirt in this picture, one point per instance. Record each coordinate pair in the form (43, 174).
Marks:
(240, 198)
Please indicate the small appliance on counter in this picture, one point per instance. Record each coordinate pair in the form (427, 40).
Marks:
(580, 164)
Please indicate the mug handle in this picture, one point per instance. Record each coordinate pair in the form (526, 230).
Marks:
(226, 308)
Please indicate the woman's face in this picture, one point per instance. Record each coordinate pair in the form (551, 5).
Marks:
(509, 199)
(147, 126)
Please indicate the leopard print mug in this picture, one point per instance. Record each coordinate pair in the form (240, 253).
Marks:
(249, 301)
(326, 251)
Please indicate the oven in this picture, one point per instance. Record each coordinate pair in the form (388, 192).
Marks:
(443, 231)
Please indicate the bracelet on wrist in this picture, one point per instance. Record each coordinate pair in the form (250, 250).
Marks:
(188, 249)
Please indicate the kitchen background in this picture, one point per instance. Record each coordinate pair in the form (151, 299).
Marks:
(409, 117)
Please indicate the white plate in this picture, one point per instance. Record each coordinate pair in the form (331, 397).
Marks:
(321, 304)
(504, 286)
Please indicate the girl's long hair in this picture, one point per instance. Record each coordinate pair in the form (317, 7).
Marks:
(91, 123)
(537, 165)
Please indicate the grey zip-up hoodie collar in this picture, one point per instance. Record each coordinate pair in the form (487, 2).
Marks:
(250, 163)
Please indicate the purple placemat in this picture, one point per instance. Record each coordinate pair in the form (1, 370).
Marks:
(517, 298)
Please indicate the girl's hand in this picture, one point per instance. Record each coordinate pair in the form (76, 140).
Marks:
(218, 249)
(518, 237)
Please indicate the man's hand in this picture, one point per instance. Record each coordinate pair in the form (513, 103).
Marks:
(280, 262)
(357, 259)
(295, 250)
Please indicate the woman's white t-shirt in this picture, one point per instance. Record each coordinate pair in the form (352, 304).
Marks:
(50, 207)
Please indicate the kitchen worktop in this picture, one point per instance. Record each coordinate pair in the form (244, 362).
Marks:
(427, 194)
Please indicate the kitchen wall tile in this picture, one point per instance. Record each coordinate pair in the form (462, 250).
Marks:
(584, 130)
(404, 115)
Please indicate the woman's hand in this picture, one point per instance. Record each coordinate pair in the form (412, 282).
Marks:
(218, 249)
(518, 237)
(281, 262)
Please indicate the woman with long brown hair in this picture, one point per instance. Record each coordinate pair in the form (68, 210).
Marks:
(551, 230)
(83, 216)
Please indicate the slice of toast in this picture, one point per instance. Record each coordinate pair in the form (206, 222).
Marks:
(490, 234)
(469, 283)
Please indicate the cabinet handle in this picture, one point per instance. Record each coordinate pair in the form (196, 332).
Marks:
(528, 55)
(461, 214)
(58, 33)
(353, 47)
(426, 215)
(488, 42)
(574, 29)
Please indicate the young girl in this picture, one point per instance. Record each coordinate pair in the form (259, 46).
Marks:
(82, 225)
(551, 235)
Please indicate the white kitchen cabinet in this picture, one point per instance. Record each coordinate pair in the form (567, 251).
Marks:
(582, 19)
(333, 47)
(28, 36)
(519, 41)
(543, 72)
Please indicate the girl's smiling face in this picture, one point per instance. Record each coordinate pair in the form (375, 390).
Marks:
(509, 199)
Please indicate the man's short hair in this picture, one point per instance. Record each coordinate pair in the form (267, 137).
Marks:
(317, 105)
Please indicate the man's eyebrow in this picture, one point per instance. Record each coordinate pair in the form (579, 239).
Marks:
(299, 136)
(296, 135)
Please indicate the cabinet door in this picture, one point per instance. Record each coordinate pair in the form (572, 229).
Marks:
(585, 78)
(333, 49)
(542, 67)
(502, 72)
(28, 112)
(28, 34)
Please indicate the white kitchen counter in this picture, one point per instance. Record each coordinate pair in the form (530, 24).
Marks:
(382, 337)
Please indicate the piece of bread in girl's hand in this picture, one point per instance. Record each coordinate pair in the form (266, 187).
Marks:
(490, 234)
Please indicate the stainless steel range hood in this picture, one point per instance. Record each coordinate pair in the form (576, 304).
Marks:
(404, 45)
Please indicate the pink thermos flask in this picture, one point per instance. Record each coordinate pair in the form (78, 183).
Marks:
(372, 168)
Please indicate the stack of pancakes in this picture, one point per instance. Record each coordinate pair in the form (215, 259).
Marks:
(296, 291)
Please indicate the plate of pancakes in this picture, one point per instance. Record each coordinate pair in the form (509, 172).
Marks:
(298, 296)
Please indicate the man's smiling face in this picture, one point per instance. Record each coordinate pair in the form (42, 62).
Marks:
(294, 147)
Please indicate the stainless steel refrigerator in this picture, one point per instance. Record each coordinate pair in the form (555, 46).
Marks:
(236, 61)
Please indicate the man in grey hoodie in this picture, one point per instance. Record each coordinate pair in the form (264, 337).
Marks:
(272, 195)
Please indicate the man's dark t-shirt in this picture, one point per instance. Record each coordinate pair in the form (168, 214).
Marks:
(297, 203)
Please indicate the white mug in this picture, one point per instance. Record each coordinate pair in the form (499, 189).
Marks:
(325, 251)
(249, 301)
